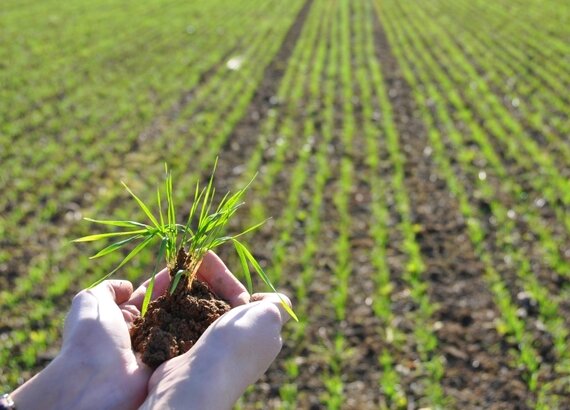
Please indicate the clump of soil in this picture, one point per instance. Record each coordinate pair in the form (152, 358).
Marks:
(173, 323)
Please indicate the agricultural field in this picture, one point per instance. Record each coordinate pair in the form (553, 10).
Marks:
(413, 159)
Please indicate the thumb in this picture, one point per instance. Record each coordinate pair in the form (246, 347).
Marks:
(93, 304)
(118, 290)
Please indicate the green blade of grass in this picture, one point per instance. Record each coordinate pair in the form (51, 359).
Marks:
(244, 266)
(131, 255)
(122, 224)
(113, 247)
(176, 280)
(208, 196)
(150, 288)
(96, 237)
(170, 200)
(251, 228)
(158, 201)
(265, 279)
(142, 205)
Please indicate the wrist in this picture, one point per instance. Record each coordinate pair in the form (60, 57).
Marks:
(67, 382)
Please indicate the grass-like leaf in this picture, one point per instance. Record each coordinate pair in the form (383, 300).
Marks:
(124, 224)
(96, 237)
(115, 246)
(251, 259)
(150, 288)
(244, 265)
(130, 256)
(142, 205)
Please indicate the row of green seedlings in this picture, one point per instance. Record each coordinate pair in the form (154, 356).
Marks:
(389, 384)
(503, 126)
(513, 71)
(545, 65)
(288, 96)
(319, 21)
(299, 175)
(549, 242)
(338, 351)
(549, 313)
(511, 322)
(222, 101)
(313, 221)
(418, 10)
(123, 132)
(292, 90)
(66, 279)
(425, 339)
(501, 63)
(307, 58)
(205, 158)
(479, 100)
(507, 308)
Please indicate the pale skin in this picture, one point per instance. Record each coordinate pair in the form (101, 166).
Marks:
(97, 369)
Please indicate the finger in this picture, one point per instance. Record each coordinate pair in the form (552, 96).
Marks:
(222, 282)
(161, 283)
(118, 290)
(277, 299)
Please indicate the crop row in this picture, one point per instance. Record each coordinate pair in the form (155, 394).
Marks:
(418, 65)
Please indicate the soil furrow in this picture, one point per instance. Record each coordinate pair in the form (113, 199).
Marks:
(476, 370)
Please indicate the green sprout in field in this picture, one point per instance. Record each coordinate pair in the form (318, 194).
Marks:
(203, 231)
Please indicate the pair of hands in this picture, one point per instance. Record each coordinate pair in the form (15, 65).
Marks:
(97, 368)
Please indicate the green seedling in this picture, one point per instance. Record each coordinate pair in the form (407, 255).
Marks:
(203, 231)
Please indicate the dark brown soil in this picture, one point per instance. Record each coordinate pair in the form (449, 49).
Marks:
(174, 323)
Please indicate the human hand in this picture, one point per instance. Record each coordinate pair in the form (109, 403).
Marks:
(232, 354)
(97, 368)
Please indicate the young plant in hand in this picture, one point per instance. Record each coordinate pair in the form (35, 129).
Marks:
(171, 324)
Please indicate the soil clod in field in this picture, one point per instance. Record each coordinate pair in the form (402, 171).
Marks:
(173, 323)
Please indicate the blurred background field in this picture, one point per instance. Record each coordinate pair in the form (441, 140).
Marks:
(414, 159)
